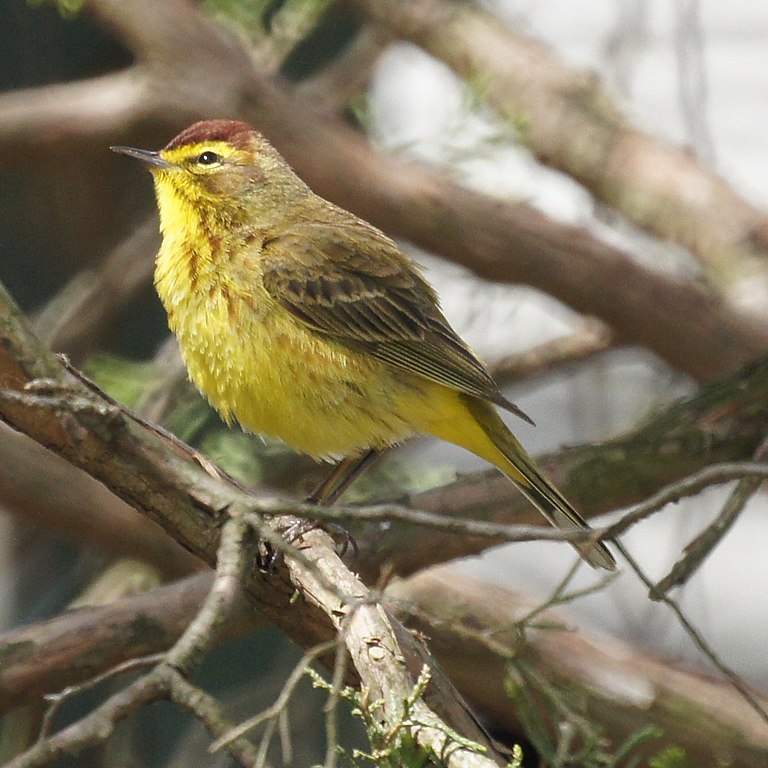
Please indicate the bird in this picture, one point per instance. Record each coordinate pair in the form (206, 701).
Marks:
(301, 321)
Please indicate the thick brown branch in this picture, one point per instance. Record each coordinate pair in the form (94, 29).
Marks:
(619, 686)
(75, 646)
(199, 72)
(571, 122)
(40, 659)
(43, 489)
(152, 472)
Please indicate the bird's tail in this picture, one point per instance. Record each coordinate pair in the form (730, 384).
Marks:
(520, 468)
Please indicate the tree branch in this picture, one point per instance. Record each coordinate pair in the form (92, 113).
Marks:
(197, 71)
(474, 628)
(43, 489)
(166, 680)
(572, 123)
(153, 472)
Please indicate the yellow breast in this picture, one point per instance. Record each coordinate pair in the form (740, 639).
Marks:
(258, 365)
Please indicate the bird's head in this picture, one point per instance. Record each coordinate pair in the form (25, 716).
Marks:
(219, 170)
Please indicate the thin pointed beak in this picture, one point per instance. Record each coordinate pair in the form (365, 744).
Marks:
(146, 156)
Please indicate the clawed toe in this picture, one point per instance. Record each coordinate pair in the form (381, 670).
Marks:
(342, 538)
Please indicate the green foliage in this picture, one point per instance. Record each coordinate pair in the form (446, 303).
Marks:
(242, 15)
(67, 8)
(394, 746)
(189, 417)
(671, 757)
(360, 108)
(125, 380)
(517, 757)
(234, 453)
(132, 383)
(556, 722)
(398, 473)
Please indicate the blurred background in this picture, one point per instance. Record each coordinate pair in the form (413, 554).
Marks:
(691, 73)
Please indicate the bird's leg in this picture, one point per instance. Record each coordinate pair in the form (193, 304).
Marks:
(328, 492)
(340, 478)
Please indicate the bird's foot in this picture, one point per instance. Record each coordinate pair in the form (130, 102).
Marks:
(292, 534)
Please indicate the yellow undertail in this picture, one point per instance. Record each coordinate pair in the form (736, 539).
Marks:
(475, 425)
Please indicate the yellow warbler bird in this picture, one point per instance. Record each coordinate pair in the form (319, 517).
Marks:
(301, 321)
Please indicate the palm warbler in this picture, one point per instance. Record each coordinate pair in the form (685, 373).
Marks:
(301, 321)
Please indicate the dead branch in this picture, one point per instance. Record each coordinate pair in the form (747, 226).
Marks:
(704, 544)
(737, 682)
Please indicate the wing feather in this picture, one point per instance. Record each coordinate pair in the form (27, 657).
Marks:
(353, 284)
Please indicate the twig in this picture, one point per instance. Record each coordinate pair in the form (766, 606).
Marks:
(714, 475)
(171, 484)
(165, 680)
(209, 712)
(331, 707)
(699, 549)
(689, 486)
(57, 699)
(388, 666)
(560, 596)
(274, 710)
(702, 546)
(733, 678)
(604, 675)
(233, 556)
(95, 727)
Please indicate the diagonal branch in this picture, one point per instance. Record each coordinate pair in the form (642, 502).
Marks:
(474, 629)
(155, 474)
(70, 112)
(196, 71)
(572, 123)
(166, 680)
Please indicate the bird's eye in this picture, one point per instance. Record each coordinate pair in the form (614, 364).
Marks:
(208, 158)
